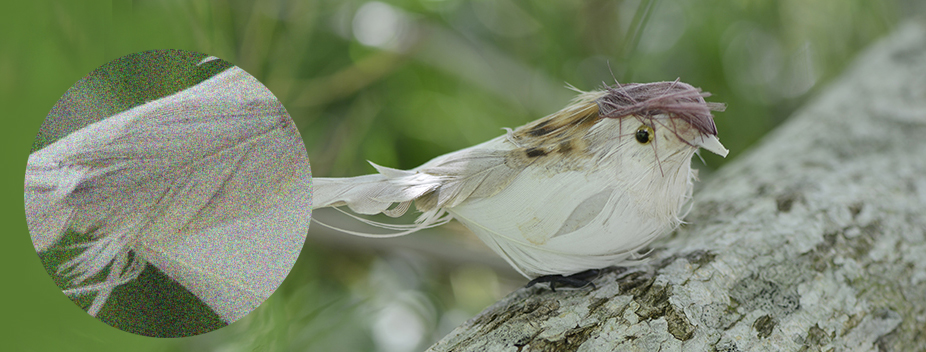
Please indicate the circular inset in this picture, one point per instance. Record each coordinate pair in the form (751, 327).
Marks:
(168, 193)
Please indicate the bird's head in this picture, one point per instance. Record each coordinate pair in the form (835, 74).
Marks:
(652, 126)
(663, 110)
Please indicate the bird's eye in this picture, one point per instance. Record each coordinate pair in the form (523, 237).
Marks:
(644, 134)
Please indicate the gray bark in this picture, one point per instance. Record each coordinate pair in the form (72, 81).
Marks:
(813, 241)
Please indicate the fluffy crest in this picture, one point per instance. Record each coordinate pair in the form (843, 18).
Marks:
(562, 132)
(675, 99)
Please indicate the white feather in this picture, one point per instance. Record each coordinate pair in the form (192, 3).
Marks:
(213, 162)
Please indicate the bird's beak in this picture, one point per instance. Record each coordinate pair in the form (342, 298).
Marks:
(711, 143)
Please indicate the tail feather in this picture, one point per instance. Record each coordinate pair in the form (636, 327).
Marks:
(374, 194)
(377, 193)
(48, 218)
(46, 189)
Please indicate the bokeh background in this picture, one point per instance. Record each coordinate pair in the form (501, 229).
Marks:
(398, 83)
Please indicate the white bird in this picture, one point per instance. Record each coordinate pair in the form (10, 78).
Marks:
(584, 188)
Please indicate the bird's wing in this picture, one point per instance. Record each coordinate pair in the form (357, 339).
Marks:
(477, 172)
(525, 219)
(445, 181)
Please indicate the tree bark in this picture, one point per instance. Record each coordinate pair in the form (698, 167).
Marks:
(813, 241)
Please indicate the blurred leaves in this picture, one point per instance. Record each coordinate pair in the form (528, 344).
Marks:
(447, 74)
(404, 81)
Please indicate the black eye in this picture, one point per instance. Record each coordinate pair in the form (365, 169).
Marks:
(644, 134)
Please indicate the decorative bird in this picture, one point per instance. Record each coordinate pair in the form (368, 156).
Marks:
(586, 187)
